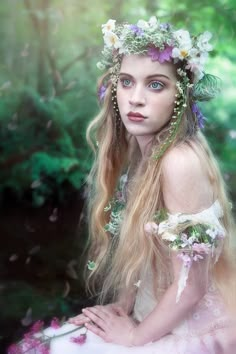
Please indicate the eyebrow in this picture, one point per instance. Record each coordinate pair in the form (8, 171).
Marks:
(149, 76)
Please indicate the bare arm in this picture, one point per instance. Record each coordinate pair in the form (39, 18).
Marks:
(168, 314)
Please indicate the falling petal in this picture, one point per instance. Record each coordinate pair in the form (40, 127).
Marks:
(28, 259)
(70, 269)
(12, 126)
(66, 289)
(35, 184)
(29, 228)
(55, 30)
(27, 320)
(58, 77)
(6, 85)
(232, 134)
(25, 52)
(34, 250)
(70, 85)
(54, 216)
(14, 117)
(13, 257)
(49, 124)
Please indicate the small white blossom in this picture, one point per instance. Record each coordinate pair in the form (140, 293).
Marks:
(100, 66)
(183, 38)
(112, 40)
(212, 233)
(153, 22)
(168, 236)
(109, 26)
(138, 283)
(142, 24)
(203, 44)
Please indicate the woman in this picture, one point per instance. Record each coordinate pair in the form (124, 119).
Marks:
(161, 224)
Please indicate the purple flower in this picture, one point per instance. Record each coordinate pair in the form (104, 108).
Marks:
(164, 26)
(200, 117)
(136, 30)
(101, 93)
(55, 323)
(81, 339)
(160, 55)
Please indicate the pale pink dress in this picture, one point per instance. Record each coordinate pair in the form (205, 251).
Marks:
(207, 329)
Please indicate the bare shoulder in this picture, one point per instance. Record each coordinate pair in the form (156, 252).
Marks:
(186, 186)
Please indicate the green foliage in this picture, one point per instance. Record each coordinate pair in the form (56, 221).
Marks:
(39, 153)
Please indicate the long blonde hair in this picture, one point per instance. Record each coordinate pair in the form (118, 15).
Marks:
(119, 262)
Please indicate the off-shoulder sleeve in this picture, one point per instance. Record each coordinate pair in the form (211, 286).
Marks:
(192, 237)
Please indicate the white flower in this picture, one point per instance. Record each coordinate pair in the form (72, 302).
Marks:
(100, 66)
(183, 38)
(153, 22)
(202, 43)
(138, 284)
(151, 228)
(109, 26)
(212, 233)
(142, 24)
(183, 52)
(112, 40)
(168, 236)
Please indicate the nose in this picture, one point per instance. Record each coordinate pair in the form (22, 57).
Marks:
(137, 97)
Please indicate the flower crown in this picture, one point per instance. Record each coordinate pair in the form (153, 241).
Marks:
(158, 40)
(163, 43)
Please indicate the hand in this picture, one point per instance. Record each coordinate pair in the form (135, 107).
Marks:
(81, 319)
(112, 326)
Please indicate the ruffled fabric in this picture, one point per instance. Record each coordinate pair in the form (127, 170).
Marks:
(190, 249)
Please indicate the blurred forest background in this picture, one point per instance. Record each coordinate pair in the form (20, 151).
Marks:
(48, 74)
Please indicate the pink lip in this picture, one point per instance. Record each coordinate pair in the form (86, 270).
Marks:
(135, 116)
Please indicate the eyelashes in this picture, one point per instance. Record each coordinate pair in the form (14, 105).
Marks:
(154, 85)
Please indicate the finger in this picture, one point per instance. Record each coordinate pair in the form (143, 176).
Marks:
(107, 311)
(96, 330)
(120, 311)
(95, 318)
(80, 319)
(99, 311)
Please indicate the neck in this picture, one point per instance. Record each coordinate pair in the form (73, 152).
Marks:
(145, 143)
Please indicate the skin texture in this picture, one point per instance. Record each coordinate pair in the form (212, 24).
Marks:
(149, 88)
(154, 99)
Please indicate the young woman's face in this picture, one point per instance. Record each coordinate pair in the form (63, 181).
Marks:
(145, 94)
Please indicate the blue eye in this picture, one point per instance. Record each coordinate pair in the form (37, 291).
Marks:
(126, 82)
(156, 85)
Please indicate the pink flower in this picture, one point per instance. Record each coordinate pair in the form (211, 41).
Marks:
(202, 247)
(187, 260)
(14, 349)
(37, 327)
(43, 349)
(151, 228)
(160, 55)
(196, 257)
(81, 339)
(55, 323)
